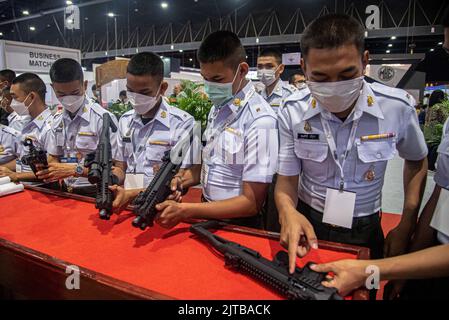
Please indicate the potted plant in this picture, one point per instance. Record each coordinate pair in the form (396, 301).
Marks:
(194, 101)
(433, 129)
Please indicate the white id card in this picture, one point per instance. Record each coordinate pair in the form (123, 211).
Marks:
(339, 208)
(134, 181)
(440, 220)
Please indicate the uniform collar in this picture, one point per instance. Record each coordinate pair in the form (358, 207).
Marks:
(237, 102)
(367, 103)
(162, 115)
(12, 116)
(277, 91)
(40, 120)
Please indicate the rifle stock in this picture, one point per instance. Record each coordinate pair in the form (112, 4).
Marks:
(304, 284)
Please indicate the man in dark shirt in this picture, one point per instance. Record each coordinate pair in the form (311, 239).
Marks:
(6, 78)
(436, 63)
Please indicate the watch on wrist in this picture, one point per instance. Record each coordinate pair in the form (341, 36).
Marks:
(79, 170)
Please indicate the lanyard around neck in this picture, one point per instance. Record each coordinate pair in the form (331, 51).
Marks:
(333, 146)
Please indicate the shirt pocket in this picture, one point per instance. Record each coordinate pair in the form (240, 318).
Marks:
(313, 157)
(232, 148)
(86, 144)
(153, 158)
(373, 157)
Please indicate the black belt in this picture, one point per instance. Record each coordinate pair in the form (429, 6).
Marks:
(309, 212)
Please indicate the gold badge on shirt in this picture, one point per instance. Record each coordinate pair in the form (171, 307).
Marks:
(370, 175)
(370, 101)
(307, 127)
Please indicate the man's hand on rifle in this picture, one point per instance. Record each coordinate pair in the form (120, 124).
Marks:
(176, 188)
(122, 197)
(171, 214)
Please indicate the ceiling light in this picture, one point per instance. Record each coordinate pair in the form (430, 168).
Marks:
(440, 43)
(164, 5)
(181, 50)
(190, 59)
(393, 38)
(25, 12)
(68, 2)
(1, 34)
(388, 51)
(390, 45)
(111, 14)
(32, 28)
(432, 50)
(172, 47)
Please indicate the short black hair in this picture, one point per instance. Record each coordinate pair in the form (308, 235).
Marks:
(66, 70)
(122, 93)
(276, 54)
(436, 97)
(222, 46)
(333, 31)
(94, 87)
(146, 64)
(30, 82)
(291, 80)
(445, 18)
(7, 75)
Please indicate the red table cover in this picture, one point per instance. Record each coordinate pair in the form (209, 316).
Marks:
(171, 262)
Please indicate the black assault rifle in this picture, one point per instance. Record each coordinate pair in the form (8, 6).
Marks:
(304, 284)
(159, 188)
(36, 158)
(99, 164)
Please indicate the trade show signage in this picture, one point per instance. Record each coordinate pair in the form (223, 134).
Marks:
(291, 59)
(28, 57)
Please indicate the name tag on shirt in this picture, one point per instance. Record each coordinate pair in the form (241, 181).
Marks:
(440, 220)
(126, 139)
(305, 136)
(134, 181)
(339, 208)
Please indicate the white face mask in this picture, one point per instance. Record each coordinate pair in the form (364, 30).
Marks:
(20, 108)
(338, 96)
(72, 103)
(142, 103)
(267, 76)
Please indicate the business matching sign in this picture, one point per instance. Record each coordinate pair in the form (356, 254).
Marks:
(26, 57)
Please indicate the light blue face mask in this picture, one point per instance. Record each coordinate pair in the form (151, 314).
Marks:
(220, 93)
